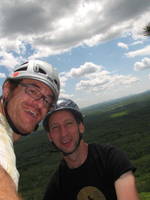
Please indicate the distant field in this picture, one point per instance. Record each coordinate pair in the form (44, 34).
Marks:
(119, 114)
(145, 196)
(124, 123)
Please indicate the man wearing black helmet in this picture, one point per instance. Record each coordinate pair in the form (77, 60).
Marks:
(87, 171)
(27, 95)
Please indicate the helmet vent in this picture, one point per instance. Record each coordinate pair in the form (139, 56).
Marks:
(55, 81)
(21, 69)
(38, 69)
(42, 71)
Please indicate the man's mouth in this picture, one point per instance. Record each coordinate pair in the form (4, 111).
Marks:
(65, 141)
(32, 113)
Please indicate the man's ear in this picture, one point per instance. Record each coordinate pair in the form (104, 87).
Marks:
(6, 89)
(81, 127)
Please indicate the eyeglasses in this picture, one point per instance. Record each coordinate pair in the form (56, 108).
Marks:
(35, 93)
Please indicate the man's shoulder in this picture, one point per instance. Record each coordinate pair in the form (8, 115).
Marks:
(102, 147)
(104, 152)
(4, 127)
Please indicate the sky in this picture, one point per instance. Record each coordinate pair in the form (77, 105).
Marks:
(97, 46)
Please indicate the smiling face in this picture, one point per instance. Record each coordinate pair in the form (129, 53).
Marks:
(24, 111)
(65, 131)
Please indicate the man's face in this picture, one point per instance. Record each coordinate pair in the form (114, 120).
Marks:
(65, 131)
(25, 111)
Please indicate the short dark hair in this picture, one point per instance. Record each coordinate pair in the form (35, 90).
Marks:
(14, 82)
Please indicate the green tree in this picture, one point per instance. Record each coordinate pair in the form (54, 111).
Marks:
(147, 30)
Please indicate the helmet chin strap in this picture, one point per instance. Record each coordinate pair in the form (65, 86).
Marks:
(68, 153)
(10, 122)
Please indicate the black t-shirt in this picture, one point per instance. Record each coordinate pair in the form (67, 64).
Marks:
(94, 179)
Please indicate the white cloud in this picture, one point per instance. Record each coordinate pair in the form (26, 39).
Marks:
(8, 45)
(54, 27)
(136, 43)
(122, 45)
(65, 95)
(87, 70)
(105, 82)
(63, 79)
(37, 29)
(144, 64)
(83, 70)
(140, 52)
(93, 78)
(8, 60)
(2, 75)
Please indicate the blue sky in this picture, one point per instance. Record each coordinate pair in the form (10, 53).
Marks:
(98, 47)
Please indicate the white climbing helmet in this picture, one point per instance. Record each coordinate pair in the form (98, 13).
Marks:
(64, 104)
(41, 71)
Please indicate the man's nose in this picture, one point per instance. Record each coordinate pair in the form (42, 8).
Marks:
(63, 131)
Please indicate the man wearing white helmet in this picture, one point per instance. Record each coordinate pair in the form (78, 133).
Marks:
(87, 171)
(27, 95)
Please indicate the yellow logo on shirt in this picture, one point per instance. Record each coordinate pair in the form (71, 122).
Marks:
(90, 193)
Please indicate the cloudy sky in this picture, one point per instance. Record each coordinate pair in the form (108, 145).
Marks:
(97, 46)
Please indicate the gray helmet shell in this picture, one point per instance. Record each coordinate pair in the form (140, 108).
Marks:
(64, 104)
(41, 71)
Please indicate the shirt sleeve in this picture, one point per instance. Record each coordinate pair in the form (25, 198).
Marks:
(117, 163)
(7, 155)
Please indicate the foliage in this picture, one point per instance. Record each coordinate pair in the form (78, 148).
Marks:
(124, 123)
(145, 195)
(147, 30)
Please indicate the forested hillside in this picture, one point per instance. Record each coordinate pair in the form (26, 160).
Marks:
(124, 123)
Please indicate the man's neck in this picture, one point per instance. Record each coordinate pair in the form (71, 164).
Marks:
(16, 137)
(77, 158)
